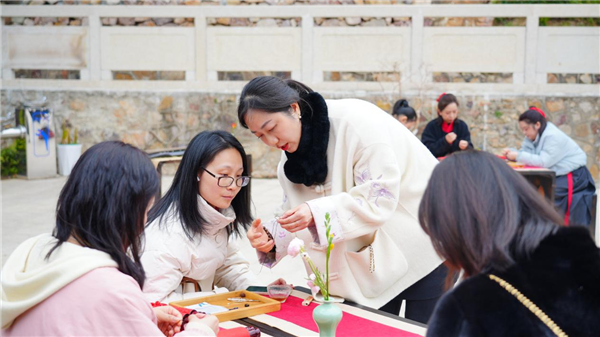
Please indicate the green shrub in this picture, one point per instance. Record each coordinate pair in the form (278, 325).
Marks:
(12, 159)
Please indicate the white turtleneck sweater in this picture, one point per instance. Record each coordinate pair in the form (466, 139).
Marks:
(212, 259)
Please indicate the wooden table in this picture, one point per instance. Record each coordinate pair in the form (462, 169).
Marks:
(544, 180)
(276, 326)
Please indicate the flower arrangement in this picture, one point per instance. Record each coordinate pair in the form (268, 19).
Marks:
(317, 281)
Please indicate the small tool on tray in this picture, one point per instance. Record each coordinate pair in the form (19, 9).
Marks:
(241, 299)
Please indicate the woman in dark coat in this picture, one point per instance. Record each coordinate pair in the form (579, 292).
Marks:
(525, 273)
(447, 134)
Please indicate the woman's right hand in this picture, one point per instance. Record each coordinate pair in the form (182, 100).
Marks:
(209, 320)
(258, 237)
(451, 137)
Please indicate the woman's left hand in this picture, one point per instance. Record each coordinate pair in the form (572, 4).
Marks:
(512, 155)
(168, 320)
(297, 219)
(463, 144)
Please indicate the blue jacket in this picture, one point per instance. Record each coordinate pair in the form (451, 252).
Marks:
(553, 150)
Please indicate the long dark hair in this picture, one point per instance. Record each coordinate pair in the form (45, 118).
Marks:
(532, 116)
(272, 94)
(480, 214)
(401, 107)
(104, 203)
(182, 197)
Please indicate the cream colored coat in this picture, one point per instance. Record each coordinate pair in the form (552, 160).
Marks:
(377, 173)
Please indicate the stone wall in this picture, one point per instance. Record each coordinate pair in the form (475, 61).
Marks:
(154, 121)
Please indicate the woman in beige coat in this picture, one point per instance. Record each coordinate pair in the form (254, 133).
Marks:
(350, 159)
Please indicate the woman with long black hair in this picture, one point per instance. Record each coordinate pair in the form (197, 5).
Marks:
(85, 279)
(191, 230)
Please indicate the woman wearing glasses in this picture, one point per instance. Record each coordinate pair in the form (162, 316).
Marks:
(191, 229)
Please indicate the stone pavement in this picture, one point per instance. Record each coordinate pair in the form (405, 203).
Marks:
(28, 208)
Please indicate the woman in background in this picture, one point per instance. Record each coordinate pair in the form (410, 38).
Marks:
(446, 134)
(405, 114)
(547, 146)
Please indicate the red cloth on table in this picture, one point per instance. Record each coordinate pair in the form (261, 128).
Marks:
(293, 311)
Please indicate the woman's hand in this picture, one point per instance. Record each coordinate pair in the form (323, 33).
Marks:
(296, 219)
(512, 155)
(463, 144)
(168, 320)
(258, 237)
(505, 151)
(209, 320)
(451, 137)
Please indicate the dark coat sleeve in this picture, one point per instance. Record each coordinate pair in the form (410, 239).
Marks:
(462, 133)
(448, 320)
(435, 141)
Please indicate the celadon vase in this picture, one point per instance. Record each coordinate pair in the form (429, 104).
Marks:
(327, 316)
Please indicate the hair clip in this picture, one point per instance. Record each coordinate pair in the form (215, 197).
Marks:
(538, 110)
(440, 97)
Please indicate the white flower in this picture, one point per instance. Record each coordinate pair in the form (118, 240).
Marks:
(312, 277)
(295, 247)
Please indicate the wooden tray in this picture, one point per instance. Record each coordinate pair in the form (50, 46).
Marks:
(255, 308)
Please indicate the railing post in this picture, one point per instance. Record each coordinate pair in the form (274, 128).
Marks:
(531, 46)
(307, 50)
(6, 73)
(95, 59)
(200, 38)
(416, 48)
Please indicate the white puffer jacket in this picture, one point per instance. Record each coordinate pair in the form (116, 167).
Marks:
(211, 259)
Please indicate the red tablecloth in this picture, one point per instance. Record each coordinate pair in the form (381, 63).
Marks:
(351, 325)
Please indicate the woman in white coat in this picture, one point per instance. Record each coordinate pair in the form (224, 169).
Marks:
(353, 160)
(191, 231)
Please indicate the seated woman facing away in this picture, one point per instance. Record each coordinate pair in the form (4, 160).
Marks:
(405, 114)
(525, 274)
(85, 279)
(191, 230)
(547, 146)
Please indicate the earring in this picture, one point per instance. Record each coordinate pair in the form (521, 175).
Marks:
(299, 116)
(198, 178)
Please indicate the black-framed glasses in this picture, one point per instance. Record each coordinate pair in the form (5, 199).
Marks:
(226, 181)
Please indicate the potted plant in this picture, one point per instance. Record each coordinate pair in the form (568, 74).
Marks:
(69, 149)
(327, 315)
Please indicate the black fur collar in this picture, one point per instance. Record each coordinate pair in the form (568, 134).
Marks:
(308, 164)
